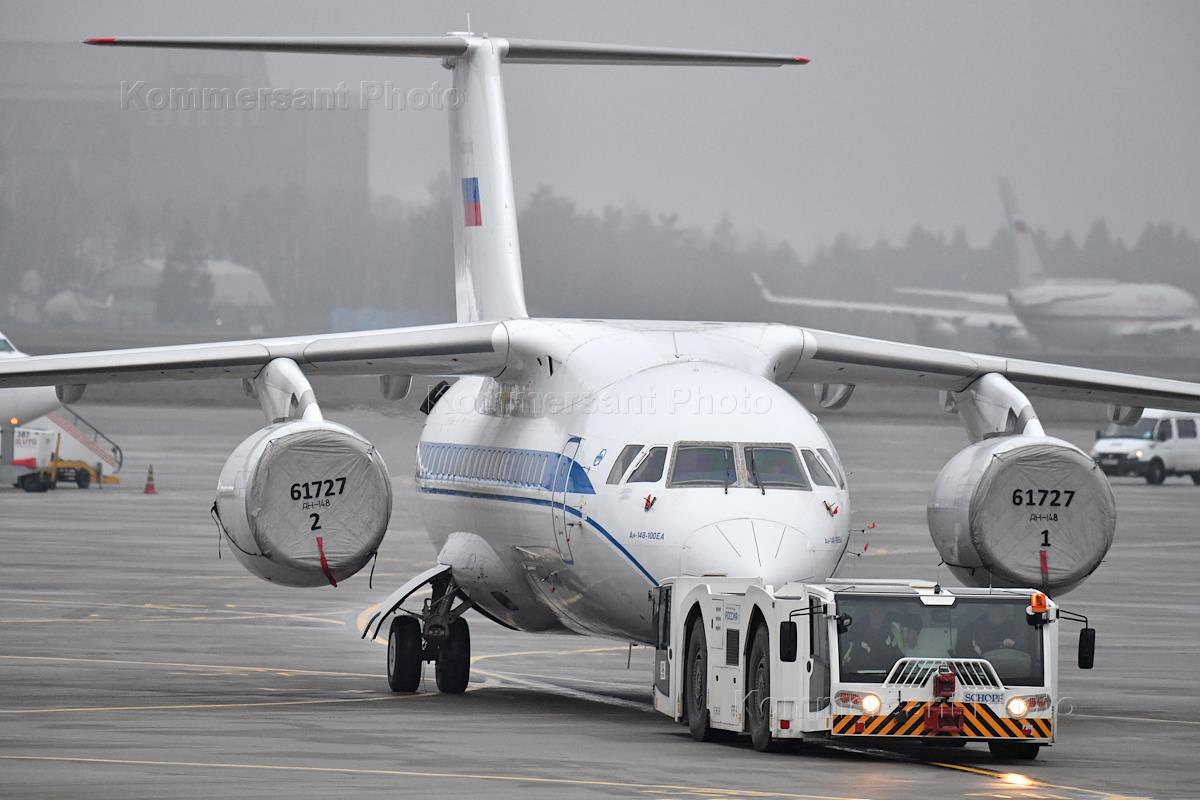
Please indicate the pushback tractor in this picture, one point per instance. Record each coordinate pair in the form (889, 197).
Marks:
(874, 661)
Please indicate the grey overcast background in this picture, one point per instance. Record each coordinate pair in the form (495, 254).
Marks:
(906, 115)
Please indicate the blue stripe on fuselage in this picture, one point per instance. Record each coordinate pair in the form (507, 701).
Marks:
(539, 501)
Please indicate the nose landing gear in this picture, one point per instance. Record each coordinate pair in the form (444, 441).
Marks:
(438, 634)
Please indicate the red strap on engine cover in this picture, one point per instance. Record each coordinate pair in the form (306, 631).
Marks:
(325, 562)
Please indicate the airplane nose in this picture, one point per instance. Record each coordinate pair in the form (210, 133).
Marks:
(744, 547)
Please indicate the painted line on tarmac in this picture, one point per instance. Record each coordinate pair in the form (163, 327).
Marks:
(1147, 720)
(215, 667)
(1019, 781)
(213, 706)
(457, 776)
(182, 609)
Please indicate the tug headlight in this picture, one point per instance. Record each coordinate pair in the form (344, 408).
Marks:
(1020, 706)
(866, 702)
(1138, 454)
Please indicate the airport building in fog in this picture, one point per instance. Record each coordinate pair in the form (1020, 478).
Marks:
(88, 116)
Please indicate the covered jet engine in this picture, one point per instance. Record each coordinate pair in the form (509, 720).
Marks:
(1026, 511)
(303, 502)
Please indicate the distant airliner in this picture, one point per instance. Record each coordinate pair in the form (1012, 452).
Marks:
(20, 405)
(1058, 314)
(574, 464)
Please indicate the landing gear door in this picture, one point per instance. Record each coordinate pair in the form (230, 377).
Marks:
(660, 597)
(566, 504)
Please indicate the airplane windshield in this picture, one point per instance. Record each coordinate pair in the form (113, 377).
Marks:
(883, 630)
(5, 347)
(775, 466)
(1144, 429)
(703, 465)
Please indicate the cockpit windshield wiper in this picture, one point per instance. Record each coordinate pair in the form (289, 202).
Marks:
(725, 476)
(754, 472)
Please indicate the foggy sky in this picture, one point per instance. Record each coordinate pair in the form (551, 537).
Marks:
(907, 114)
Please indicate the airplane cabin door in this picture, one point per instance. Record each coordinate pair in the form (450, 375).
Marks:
(566, 506)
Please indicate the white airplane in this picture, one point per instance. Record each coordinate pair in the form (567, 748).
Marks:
(22, 404)
(576, 463)
(1057, 314)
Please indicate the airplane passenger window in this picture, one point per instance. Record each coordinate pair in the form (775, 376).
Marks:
(834, 465)
(775, 466)
(628, 454)
(651, 468)
(704, 465)
(1186, 428)
(820, 474)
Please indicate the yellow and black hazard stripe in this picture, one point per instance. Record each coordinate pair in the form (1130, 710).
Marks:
(908, 718)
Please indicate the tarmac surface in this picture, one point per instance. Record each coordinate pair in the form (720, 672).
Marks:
(135, 664)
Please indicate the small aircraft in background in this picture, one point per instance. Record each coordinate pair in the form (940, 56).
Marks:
(1050, 314)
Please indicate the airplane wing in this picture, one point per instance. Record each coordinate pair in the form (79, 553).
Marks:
(994, 320)
(477, 348)
(1166, 327)
(816, 356)
(989, 299)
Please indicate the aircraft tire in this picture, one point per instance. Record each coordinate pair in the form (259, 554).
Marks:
(453, 667)
(758, 694)
(1156, 473)
(404, 654)
(695, 685)
(1014, 751)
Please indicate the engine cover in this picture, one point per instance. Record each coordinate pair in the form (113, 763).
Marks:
(304, 503)
(1022, 511)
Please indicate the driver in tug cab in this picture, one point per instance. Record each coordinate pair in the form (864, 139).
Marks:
(877, 643)
(990, 631)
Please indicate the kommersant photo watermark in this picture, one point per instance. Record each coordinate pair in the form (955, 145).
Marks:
(365, 95)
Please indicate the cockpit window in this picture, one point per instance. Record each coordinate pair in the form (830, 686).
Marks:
(775, 466)
(5, 347)
(704, 465)
(818, 470)
(651, 468)
(835, 466)
(628, 454)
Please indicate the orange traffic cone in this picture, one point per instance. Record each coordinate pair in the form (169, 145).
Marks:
(150, 481)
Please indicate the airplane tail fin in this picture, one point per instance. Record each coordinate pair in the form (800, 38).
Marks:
(1029, 264)
(487, 256)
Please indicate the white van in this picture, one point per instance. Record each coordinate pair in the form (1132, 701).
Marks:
(1160, 444)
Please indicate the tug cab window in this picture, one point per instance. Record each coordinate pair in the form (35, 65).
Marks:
(818, 470)
(775, 466)
(650, 470)
(628, 453)
(704, 465)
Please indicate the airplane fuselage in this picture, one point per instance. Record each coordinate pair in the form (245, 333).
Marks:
(520, 496)
(25, 403)
(1094, 315)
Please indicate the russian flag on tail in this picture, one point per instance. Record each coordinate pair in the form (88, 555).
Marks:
(472, 215)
